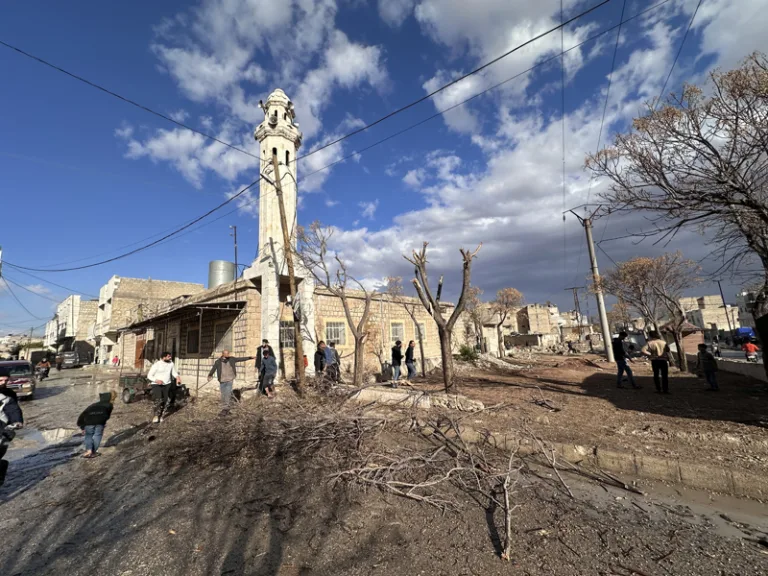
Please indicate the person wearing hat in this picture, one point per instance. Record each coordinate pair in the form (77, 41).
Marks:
(93, 420)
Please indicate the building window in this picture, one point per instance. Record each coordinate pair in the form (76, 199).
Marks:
(336, 332)
(222, 336)
(420, 328)
(286, 334)
(397, 331)
(193, 341)
(287, 158)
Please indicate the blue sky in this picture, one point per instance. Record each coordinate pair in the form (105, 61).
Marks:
(83, 174)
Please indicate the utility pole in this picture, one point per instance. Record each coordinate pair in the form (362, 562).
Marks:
(725, 307)
(288, 251)
(587, 223)
(576, 304)
(237, 270)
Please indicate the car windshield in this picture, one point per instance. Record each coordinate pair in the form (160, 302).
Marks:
(16, 370)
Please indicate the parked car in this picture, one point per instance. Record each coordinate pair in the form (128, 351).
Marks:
(21, 376)
(73, 359)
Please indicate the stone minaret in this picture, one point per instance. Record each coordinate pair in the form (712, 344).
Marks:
(278, 132)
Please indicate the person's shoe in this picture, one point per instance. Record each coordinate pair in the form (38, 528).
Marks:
(156, 419)
(161, 419)
(87, 454)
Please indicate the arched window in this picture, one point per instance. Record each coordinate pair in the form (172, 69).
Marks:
(287, 158)
(274, 151)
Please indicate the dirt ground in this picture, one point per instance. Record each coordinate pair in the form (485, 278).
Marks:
(256, 493)
(729, 427)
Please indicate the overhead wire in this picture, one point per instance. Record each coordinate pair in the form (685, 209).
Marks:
(602, 121)
(562, 123)
(19, 302)
(366, 148)
(71, 290)
(328, 144)
(677, 56)
(5, 277)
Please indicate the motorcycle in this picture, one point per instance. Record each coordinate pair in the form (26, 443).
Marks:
(752, 357)
(42, 373)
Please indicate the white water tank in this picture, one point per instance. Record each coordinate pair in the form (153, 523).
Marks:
(220, 272)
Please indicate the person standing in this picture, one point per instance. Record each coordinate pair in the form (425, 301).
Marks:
(706, 364)
(268, 373)
(620, 355)
(410, 363)
(162, 373)
(336, 363)
(320, 359)
(397, 361)
(263, 348)
(224, 368)
(331, 366)
(93, 420)
(659, 352)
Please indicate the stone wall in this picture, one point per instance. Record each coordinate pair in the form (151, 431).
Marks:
(151, 295)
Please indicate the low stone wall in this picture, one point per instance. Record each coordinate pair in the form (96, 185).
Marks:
(756, 371)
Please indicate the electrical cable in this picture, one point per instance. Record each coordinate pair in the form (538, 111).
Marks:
(377, 143)
(72, 290)
(337, 140)
(562, 123)
(146, 246)
(679, 51)
(12, 293)
(30, 291)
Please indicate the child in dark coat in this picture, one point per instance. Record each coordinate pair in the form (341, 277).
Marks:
(92, 422)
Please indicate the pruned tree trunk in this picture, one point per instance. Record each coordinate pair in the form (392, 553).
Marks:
(500, 337)
(682, 361)
(421, 351)
(446, 353)
(359, 362)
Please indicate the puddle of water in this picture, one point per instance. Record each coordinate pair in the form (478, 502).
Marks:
(29, 441)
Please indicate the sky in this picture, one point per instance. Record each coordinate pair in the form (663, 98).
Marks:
(85, 176)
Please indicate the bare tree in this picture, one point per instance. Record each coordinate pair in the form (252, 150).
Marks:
(330, 272)
(432, 303)
(508, 300)
(395, 291)
(702, 162)
(618, 315)
(476, 310)
(654, 284)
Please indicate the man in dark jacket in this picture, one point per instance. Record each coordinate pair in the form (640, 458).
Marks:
(92, 422)
(397, 361)
(225, 371)
(260, 354)
(320, 359)
(410, 363)
(620, 355)
(268, 374)
(9, 406)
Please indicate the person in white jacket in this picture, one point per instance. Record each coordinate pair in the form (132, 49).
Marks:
(162, 375)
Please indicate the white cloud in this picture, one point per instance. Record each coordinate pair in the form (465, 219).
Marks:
(394, 12)
(179, 115)
(38, 289)
(369, 209)
(415, 177)
(331, 203)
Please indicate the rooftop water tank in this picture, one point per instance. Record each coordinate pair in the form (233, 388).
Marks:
(220, 272)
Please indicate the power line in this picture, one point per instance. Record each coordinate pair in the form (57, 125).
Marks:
(456, 80)
(562, 123)
(679, 51)
(10, 290)
(124, 98)
(602, 121)
(361, 150)
(146, 246)
(337, 140)
(30, 291)
(51, 283)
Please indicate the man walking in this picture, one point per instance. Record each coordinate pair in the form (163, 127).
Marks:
(659, 352)
(93, 420)
(162, 373)
(268, 373)
(397, 361)
(225, 371)
(620, 355)
(410, 363)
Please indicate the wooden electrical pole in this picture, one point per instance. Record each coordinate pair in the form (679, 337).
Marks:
(288, 252)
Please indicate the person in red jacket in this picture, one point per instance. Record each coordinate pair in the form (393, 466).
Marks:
(749, 349)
